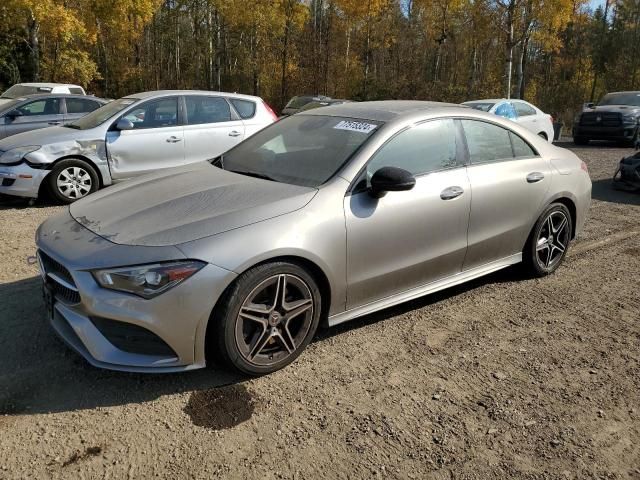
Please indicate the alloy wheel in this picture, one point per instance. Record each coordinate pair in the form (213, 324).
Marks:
(74, 182)
(552, 240)
(274, 319)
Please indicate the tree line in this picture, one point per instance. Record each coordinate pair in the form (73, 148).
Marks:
(554, 53)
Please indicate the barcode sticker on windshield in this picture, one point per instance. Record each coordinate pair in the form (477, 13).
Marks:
(361, 127)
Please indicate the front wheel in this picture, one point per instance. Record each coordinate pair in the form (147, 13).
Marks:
(266, 318)
(71, 180)
(549, 240)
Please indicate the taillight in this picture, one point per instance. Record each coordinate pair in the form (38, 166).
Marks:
(551, 118)
(583, 166)
(270, 110)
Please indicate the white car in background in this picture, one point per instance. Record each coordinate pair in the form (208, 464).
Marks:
(527, 115)
(22, 89)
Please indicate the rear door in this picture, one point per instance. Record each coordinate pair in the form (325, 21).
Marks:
(34, 114)
(509, 182)
(78, 107)
(211, 127)
(156, 141)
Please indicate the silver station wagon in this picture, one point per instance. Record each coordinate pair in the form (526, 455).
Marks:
(321, 217)
(126, 138)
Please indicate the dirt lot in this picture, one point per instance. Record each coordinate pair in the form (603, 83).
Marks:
(504, 378)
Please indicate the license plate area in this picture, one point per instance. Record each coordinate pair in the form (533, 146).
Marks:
(48, 299)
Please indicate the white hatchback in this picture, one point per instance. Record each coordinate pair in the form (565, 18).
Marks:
(527, 115)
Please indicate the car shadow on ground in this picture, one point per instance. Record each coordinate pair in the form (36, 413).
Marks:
(40, 374)
(8, 202)
(603, 190)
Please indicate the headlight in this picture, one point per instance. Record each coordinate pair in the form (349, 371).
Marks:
(147, 281)
(630, 118)
(15, 155)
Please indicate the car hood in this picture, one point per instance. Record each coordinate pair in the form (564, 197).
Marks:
(182, 204)
(46, 136)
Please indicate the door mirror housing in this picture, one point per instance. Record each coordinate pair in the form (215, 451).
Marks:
(124, 124)
(390, 179)
(589, 105)
(13, 114)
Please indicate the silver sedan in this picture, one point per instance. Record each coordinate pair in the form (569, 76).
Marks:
(319, 218)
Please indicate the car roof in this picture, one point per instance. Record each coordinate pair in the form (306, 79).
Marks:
(43, 84)
(625, 91)
(58, 95)
(384, 110)
(166, 93)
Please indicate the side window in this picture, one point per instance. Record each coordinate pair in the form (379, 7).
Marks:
(523, 109)
(155, 114)
(49, 106)
(245, 108)
(80, 105)
(424, 148)
(207, 110)
(506, 110)
(76, 90)
(486, 142)
(521, 149)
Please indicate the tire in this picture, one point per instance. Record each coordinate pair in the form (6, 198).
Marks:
(71, 180)
(544, 253)
(265, 337)
(581, 141)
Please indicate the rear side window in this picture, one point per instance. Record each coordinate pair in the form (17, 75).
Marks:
(76, 90)
(80, 105)
(424, 148)
(489, 143)
(245, 108)
(50, 106)
(207, 110)
(506, 110)
(523, 109)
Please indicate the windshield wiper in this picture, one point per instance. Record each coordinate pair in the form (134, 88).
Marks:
(254, 174)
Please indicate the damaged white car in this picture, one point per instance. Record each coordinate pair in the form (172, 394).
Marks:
(126, 138)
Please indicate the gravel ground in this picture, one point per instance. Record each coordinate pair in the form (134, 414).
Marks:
(506, 377)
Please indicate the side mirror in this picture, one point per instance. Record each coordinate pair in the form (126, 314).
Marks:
(13, 114)
(390, 179)
(124, 124)
(589, 105)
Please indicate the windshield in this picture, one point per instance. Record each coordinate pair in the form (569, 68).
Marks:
(629, 98)
(303, 150)
(102, 114)
(485, 107)
(22, 90)
(298, 102)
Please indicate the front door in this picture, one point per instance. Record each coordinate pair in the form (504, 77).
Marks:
(41, 113)
(156, 141)
(210, 129)
(408, 239)
(509, 181)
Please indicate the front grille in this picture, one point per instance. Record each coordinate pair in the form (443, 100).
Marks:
(132, 338)
(55, 275)
(604, 119)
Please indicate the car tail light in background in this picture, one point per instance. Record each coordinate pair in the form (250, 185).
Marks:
(270, 110)
(583, 166)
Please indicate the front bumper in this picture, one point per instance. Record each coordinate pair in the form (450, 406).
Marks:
(21, 180)
(177, 318)
(619, 133)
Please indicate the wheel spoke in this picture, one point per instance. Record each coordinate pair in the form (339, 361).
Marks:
(287, 342)
(542, 245)
(549, 226)
(252, 314)
(550, 256)
(261, 341)
(296, 308)
(563, 224)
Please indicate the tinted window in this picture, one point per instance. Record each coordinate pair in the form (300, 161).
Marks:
(624, 98)
(80, 105)
(486, 142)
(506, 110)
(521, 149)
(523, 109)
(485, 107)
(424, 148)
(298, 102)
(207, 110)
(245, 108)
(76, 90)
(301, 149)
(49, 106)
(155, 114)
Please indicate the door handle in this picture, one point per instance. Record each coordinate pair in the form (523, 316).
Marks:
(234, 133)
(534, 177)
(451, 192)
(173, 139)
(55, 123)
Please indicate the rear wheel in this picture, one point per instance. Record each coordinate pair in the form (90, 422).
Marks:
(549, 240)
(266, 318)
(71, 180)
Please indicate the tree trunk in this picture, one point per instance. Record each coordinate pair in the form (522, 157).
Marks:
(34, 49)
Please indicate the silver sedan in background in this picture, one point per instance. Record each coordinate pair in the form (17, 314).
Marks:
(322, 217)
(126, 138)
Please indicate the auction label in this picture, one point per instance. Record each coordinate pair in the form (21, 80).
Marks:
(361, 127)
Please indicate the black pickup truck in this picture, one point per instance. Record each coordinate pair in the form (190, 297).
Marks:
(614, 118)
